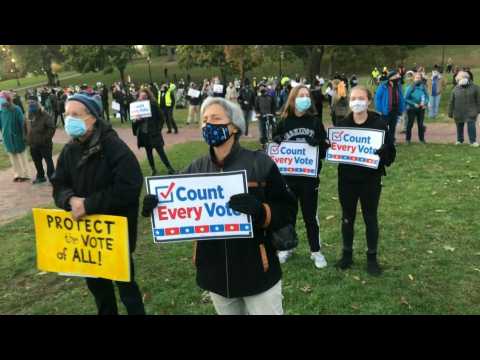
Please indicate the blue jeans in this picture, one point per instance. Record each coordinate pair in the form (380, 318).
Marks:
(434, 105)
(471, 129)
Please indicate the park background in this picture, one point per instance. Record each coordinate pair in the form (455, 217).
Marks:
(428, 212)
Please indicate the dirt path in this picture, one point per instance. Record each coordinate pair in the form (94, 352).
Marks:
(17, 199)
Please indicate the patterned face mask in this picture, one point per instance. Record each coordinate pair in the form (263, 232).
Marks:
(215, 135)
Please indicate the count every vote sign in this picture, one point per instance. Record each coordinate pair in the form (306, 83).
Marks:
(194, 207)
(355, 146)
(294, 158)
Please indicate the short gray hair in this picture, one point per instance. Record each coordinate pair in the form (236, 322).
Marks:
(233, 111)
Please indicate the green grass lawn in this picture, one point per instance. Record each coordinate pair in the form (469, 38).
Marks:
(428, 247)
(5, 162)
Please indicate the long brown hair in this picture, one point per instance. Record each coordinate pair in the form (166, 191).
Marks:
(289, 109)
(148, 92)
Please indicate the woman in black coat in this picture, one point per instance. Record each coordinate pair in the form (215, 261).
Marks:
(149, 133)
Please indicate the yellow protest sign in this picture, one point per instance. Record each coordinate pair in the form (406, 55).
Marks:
(95, 246)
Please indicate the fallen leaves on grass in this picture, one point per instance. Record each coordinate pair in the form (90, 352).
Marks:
(330, 217)
(146, 296)
(306, 289)
(356, 278)
(434, 193)
(430, 252)
(41, 273)
(355, 307)
(440, 211)
(449, 248)
(404, 301)
(410, 277)
(476, 269)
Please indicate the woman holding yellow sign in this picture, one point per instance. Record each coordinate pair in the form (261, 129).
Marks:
(357, 182)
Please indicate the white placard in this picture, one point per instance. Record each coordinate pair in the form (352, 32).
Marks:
(193, 93)
(294, 83)
(194, 207)
(355, 146)
(140, 110)
(218, 89)
(115, 106)
(295, 158)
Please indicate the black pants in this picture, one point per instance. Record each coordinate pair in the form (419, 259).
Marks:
(168, 114)
(369, 194)
(418, 114)
(106, 112)
(247, 114)
(306, 191)
(62, 119)
(161, 153)
(123, 114)
(391, 120)
(39, 153)
(104, 293)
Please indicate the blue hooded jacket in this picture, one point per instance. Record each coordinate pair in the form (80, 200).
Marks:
(381, 99)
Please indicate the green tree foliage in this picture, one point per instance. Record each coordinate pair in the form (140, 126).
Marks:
(87, 58)
(37, 58)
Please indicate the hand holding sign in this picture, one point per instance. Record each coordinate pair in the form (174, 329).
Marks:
(249, 205)
(78, 207)
(150, 202)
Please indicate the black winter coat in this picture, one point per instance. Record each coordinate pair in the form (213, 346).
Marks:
(105, 172)
(234, 267)
(149, 130)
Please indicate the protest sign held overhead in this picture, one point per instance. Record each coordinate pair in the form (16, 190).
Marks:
(95, 246)
(355, 146)
(294, 158)
(140, 110)
(195, 207)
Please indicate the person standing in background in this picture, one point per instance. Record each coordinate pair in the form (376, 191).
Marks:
(12, 126)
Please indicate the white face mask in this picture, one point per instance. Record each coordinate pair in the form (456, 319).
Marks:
(463, 82)
(358, 106)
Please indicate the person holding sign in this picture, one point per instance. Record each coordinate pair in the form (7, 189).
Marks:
(149, 133)
(357, 182)
(194, 100)
(97, 173)
(243, 275)
(299, 122)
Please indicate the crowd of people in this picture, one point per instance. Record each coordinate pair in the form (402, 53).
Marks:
(97, 173)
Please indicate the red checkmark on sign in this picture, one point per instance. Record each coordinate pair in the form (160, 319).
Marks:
(169, 190)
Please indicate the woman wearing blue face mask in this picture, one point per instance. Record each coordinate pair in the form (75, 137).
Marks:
(300, 122)
(243, 276)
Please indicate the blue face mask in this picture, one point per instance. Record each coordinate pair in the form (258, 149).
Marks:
(32, 108)
(302, 104)
(3, 101)
(215, 135)
(75, 127)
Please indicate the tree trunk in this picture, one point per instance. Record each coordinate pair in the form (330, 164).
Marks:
(122, 76)
(50, 77)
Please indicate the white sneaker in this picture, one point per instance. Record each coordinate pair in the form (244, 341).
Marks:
(458, 143)
(284, 255)
(475, 144)
(319, 260)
